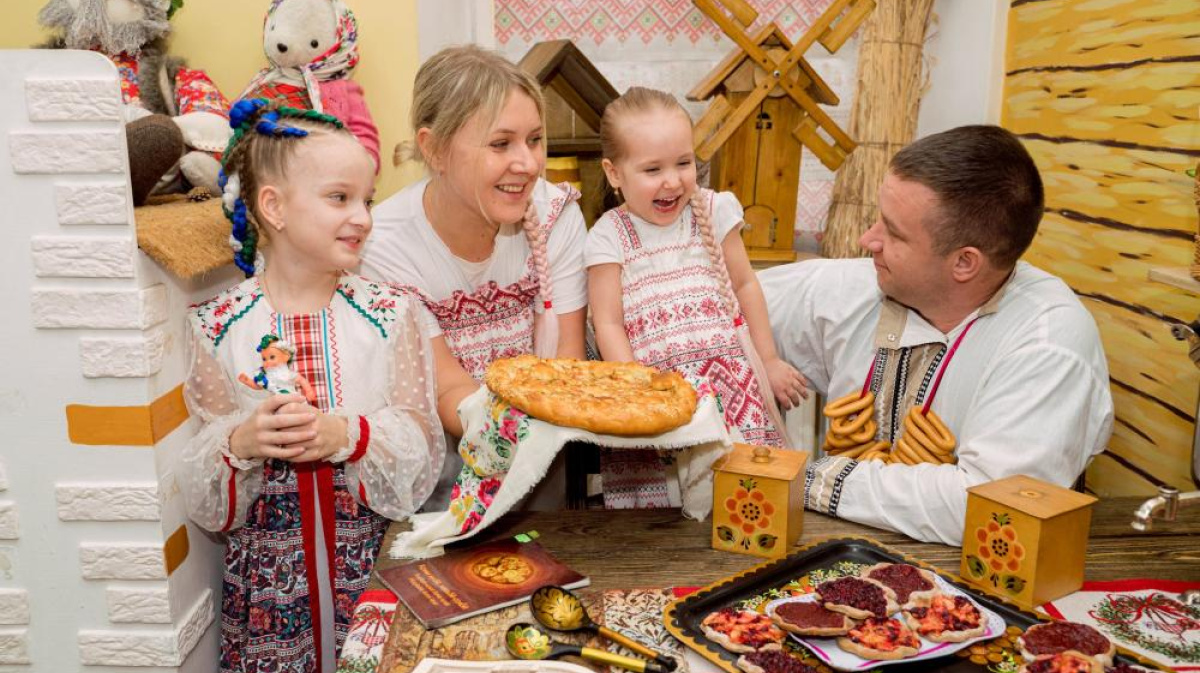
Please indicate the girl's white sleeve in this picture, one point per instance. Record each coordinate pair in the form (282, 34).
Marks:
(217, 487)
(396, 453)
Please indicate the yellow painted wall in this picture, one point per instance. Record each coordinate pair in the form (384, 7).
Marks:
(1106, 94)
(224, 38)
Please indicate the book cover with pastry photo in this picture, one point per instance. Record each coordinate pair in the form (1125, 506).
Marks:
(473, 580)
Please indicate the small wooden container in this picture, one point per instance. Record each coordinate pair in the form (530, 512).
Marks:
(1025, 539)
(758, 500)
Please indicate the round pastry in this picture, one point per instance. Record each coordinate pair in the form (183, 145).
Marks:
(742, 631)
(1046, 639)
(881, 639)
(809, 618)
(913, 586)
(1068, 661)
(772, 661)
(858, 598)
(947, 619)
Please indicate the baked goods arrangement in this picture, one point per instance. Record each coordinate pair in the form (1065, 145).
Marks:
(613, 398)
(852, 430)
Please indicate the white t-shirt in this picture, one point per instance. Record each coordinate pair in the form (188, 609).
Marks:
(404, 248)
(1026, 392)
(604, 243)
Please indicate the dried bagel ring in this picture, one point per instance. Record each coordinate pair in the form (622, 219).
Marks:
(855, 452)
(866, 435)
(918, 442)
(850, 404)
(935, 429)
(913, 450)
(847, 425)
(839, 442)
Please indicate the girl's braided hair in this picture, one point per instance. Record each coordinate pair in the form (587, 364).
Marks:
(265, 138)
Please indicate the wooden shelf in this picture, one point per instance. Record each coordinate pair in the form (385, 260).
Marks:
(1175, 276)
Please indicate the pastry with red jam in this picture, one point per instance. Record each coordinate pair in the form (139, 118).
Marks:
(1068, 661)
(742, 630)
(879, 638)
(913, 586)
(858, 598)
(947, 619)
(1043, 640)
(772, 661)
(809, 618)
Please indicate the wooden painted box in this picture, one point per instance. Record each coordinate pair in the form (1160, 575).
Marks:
(758, 500)
(1024, 539)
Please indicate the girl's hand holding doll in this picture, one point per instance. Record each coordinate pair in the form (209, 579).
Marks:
(327, 433)
(279, 428)
(788, 384)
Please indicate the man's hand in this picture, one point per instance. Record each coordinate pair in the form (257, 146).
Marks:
(787, 384)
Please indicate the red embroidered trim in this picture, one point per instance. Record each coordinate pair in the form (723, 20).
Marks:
(232, 494)
(364, 437)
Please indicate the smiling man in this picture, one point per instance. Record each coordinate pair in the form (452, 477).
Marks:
(944, 316)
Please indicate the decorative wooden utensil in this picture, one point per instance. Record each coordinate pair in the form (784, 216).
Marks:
(526, 641)
(1025, 539)
(758, 500)
(559, 609)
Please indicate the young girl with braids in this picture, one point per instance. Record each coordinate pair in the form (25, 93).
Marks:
(302, 490)
(495, 251)
(670, 284)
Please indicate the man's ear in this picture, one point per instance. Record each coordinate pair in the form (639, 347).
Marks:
(271, 209)
(426, 146)
(969, 262)
(610, 172)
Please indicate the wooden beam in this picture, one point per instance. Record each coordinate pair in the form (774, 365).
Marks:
(735, 119)
(835, 36)
(725, 68)
(712, 117)
(588, 114)
(742, 11)
(830, 155)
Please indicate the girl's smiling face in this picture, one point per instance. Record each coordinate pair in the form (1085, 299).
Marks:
(656, 169)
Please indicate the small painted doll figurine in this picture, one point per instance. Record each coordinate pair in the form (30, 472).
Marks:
(276, 374)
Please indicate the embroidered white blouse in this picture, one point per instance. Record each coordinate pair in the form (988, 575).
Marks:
(1026, 393)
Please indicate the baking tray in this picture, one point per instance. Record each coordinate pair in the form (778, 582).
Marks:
(682, 617)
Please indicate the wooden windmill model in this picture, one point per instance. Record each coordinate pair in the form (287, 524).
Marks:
(765, 105)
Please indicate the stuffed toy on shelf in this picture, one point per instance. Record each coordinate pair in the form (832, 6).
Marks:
(176, 118)
(312, 46)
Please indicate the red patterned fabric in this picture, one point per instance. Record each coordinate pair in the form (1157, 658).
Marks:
(196, 92)
(293, 96)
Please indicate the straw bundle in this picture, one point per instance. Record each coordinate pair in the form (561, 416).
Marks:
(891, 79)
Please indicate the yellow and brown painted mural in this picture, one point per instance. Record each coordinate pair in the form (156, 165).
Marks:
(1106, 96)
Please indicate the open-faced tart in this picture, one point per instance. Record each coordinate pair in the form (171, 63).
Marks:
(947, 619)
(1046, 639)
(913, 586)
(772, 661)
(742, 630)
(809, 618)
(1068, 661)
(881, 639)
(857, 598)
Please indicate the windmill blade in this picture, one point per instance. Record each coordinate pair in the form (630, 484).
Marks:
(819, 116)
(830, 154)
(727, 26)
(742, 11)
(834, 37)
(712, 118)
(733, 121)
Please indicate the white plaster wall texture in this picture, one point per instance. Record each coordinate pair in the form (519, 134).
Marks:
(84, 256)
(107, 501)
(147, 647)
(123, 357)
(72, 99)
(93, 202)
(14, 646)
(139, 605)
(79, 308)
(67, 151)
(121, 561)
(14, 606)
(9, 523)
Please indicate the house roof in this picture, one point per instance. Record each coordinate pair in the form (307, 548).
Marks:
(768, 35)
(560, 65)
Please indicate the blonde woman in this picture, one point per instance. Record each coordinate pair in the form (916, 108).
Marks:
(495, 251)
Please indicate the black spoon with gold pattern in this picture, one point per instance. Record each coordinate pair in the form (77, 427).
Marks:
(559, 609)
(526, 641)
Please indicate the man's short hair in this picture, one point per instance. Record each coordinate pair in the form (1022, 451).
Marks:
(989, 191)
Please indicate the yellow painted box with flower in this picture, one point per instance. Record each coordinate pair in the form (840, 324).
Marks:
(758, 500)
(1025, 540)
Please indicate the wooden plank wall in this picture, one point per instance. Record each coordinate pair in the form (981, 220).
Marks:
(1105, 94)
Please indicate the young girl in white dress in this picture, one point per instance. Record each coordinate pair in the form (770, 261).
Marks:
(670, 285)
(302, 490)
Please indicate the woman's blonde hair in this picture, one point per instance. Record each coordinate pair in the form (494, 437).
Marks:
(636, 99)
(457, 83)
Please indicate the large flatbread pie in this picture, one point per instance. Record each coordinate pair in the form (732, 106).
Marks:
(611, 398)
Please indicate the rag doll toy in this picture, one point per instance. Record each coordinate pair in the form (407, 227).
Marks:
(276, 375)
(177, 119)
(312, 46)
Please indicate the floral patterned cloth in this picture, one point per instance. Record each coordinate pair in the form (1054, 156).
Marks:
(506, 452)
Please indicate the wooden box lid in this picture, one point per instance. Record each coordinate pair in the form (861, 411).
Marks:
(1031, 496)
(781, 464)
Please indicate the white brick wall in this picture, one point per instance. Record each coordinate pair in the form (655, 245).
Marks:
(83, 256)
(3, 477)
(123, 357)
(67, 152)
(92, 203)
(9, 528)
(14, 646)
(14, 606)
(100, 309)
(50, 100)
(137, 605)
(107, 502)
(122, 561)
(155, 647)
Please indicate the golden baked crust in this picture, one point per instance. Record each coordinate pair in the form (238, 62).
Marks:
(610, 398)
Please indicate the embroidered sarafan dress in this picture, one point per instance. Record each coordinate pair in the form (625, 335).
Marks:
(302, 537)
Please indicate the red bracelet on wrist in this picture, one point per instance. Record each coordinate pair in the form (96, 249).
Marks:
(364, 438)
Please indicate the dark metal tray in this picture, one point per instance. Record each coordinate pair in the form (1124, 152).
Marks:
(682, 617)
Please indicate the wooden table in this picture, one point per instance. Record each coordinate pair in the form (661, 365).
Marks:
(659, 548)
